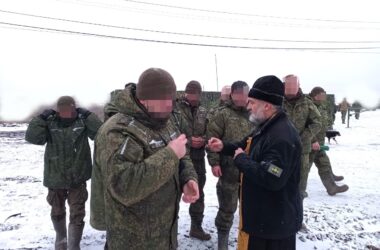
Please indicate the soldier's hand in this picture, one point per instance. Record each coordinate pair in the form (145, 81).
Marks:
(216, 171)
(197, 142)
(48, 112)
(215, 144)
(178, 145)
(190, 192)
(238, 152)
(315, 146)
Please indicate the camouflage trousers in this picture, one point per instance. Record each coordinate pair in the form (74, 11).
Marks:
(344, 114)
(76, 198)
(321, 161)
(227, 191)
(304, 174)
(196, 209)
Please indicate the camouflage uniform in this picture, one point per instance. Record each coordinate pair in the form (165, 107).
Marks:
(320, 158)
(194, 124)
(211, 112)
(138, 179)
(307, 120)
(110, 108)
(67, 165)
(230, 123)
(343, 108)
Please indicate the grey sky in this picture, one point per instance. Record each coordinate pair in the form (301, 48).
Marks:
(37, 67)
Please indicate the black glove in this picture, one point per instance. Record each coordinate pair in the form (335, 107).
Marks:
(48, 112)
(83, 113)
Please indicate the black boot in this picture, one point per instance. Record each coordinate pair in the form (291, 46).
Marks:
(223, 240)
(75, 236)
(196, 231)
(60, 232)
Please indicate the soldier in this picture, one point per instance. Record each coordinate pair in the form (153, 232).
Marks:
(194, 126)
(229, 123)
(67, 164)
(307, 120)
(110, 108)
(356, 106)
(318, 156)
(224, 96)
(141, 168)
(343, 108)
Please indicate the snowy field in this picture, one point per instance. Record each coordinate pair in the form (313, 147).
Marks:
(346, 221)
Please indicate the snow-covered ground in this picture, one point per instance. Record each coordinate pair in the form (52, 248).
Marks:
(346, 221)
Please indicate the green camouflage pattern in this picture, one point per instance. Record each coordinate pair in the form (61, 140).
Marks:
(229, 123)
(308, 122)
(110, 108)
(326, 120)
(306, 118)
(138, 179)
(67, 160)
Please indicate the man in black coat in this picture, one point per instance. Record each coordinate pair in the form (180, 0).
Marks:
(271, 208)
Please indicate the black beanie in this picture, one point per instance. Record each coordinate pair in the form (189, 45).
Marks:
(269, 89)
(155, 84)
(193, 87)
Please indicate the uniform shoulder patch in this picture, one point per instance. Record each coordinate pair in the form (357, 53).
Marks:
(273, 169)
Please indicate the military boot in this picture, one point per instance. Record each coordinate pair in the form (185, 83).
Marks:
(338, 177)
(75, 236)
(60, 233)
(223, 240)
(331, 187)
(196, 231)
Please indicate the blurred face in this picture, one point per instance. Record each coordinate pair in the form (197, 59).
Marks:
(225, 93)
(291, 87)
(257, 111)
(320, 97)
(160, 109)
(240, 96)
(67, 112)
(193, 99)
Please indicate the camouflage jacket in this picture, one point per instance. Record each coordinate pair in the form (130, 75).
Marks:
(137, 179)
(110, 108)
(229, 123)
(326, 118)
(67, 161)
(211, 112)
(193, 124)
(306, 118)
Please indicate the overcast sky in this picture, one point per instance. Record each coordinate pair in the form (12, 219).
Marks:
(39, 65)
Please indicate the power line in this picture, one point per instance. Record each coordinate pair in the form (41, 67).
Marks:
(250, 15)
(302, 25)
(184, 34)
(187, 43)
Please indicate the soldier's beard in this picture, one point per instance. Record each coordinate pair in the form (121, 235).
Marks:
(258, 118)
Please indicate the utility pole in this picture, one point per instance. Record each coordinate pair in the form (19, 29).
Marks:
(216, 71)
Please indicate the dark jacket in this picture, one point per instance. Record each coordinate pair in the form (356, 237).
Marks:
(67, 155)
(271, 203)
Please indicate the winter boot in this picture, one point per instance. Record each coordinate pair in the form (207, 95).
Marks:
(60, 233)
(196, 231)
(331, 187)
(75, 236)
(338, 177)
(223, 240)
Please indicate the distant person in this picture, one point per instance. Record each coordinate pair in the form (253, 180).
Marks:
(67, 164)
(229, 123)
(141, 168)
(269, 160)
(193, 125)
(357, 107)
(318, 156)
(343, 108)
